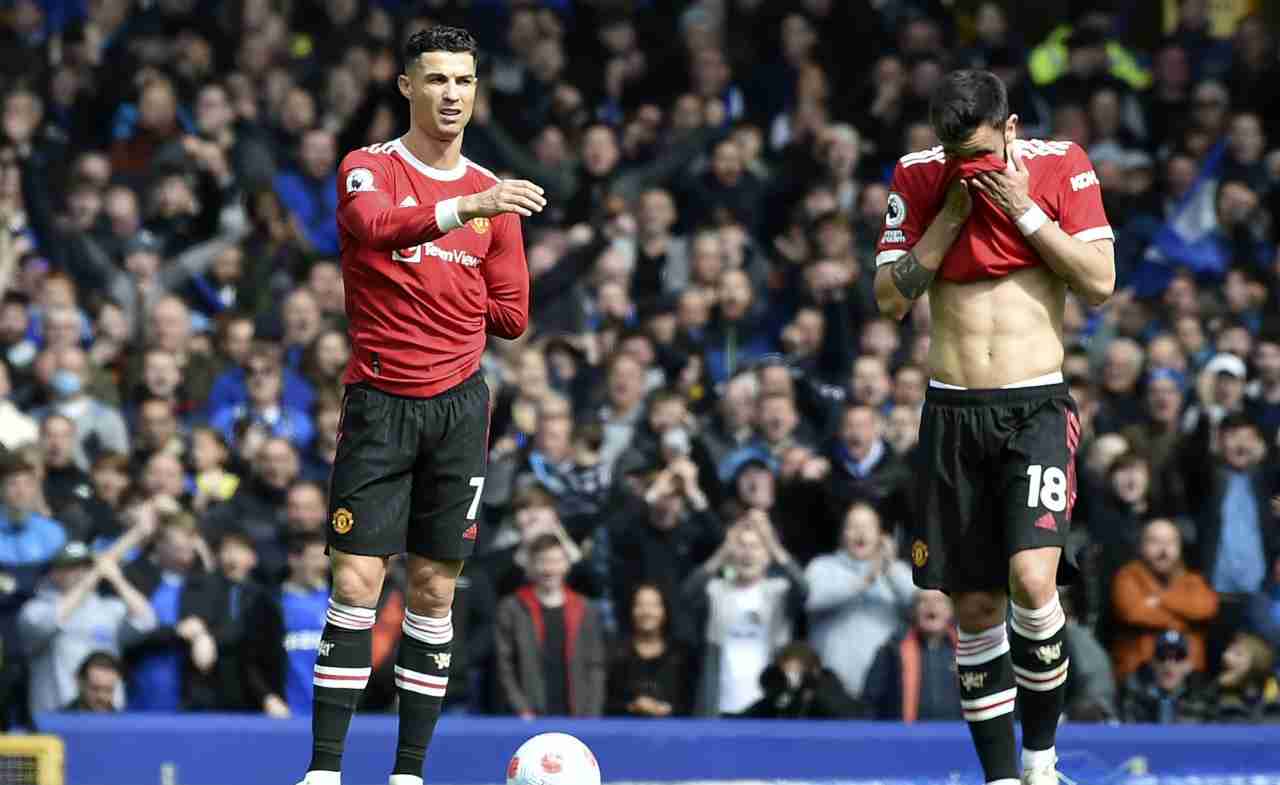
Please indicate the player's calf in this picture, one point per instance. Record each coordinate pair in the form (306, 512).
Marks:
(987, 691)
(1040, 661)
(341, 673)
(422, 663)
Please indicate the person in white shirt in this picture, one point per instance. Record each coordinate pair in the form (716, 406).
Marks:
(859, 597)
(749, 612)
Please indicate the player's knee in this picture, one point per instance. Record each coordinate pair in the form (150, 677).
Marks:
(977, 611)
(1033, 582)
(356, 583)
(431, 586)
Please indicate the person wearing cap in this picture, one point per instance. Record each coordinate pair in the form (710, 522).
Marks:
(1157, 592)
(1220, 387)
(67, 619)
(1168, 689)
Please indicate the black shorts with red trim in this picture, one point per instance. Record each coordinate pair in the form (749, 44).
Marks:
(410, 472)
(996, 471)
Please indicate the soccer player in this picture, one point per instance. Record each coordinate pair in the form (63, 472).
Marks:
(996, 229)
(432, 260)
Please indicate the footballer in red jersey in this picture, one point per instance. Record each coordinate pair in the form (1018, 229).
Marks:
(432, 261)
(996, 230)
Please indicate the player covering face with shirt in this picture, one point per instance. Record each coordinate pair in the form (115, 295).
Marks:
(995, 230)
(432, 262)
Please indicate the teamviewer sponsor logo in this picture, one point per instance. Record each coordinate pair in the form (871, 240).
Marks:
(453, 257)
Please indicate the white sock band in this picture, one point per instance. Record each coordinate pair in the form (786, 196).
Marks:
(979, 648)
(350, 617)
(1038, 624)
(428, 629)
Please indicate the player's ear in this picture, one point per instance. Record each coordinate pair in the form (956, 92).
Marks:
(1011, 129)
(406, 87)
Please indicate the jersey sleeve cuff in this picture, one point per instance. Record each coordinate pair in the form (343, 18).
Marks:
(1096, 233)
(889, 257)
(447, 215)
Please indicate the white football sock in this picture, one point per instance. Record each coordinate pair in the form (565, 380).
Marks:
(1039, 759)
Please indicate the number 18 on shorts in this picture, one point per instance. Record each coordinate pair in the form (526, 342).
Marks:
(997, 476)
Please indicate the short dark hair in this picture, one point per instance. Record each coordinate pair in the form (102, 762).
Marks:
(440, 38)
(543, 543)
(299, 541)
(1233, 421)
(965, 101)
(99, 659)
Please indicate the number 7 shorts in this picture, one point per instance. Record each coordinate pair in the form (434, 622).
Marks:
(409, 472)
(996, 474)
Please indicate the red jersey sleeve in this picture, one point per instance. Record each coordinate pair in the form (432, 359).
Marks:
(506, 276)
(366, 208)
(1079, 197)
(907, 212)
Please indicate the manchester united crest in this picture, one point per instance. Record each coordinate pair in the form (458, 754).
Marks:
(343, 520)
(919, 553)
(479, 225)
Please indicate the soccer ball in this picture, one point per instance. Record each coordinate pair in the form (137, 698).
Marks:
(553, 759)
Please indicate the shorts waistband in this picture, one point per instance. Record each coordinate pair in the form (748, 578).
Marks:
(460, 388)
(1038, 381)
(1042, 387)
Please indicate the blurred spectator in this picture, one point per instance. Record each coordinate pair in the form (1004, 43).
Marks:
(99, 679)
(67, 487)
(750, 614)
(863, 468)
(551, 657)
(1154, 593)
(310, 192)
(28, 539)
(99, 427)
(858, 597)
(265, 408)
(259, 505)
(651, 673)
(912, 677)
(1091, 683)
(286, 632)
(1168, 688)
(1264, 607)
(1239, 533)
(209, 459)
(172, 667)
(68, 620)
(797, 686)
(1247, 691)
(16, 426)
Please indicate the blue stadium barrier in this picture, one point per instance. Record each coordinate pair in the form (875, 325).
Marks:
(251, 750)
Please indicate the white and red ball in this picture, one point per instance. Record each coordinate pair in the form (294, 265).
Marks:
(553, 759)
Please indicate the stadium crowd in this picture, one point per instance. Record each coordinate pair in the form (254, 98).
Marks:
(700, 480)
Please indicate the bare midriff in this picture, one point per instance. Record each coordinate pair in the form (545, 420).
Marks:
(999, 331)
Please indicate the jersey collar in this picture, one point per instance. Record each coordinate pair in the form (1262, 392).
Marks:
(455, 173)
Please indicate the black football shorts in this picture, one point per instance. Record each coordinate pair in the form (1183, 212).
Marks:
(996, 476)
(409, 472)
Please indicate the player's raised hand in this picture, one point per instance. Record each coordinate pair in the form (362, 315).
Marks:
(1009, 189)
(509, 196)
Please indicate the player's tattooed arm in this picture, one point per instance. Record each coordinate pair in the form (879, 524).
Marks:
(910, 277)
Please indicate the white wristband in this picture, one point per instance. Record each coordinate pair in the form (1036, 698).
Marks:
(447, 215)
(1031, 220)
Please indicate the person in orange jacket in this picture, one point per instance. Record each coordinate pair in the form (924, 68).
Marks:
(1157, 592)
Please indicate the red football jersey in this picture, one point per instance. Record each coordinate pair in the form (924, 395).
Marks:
(1063, 183)
(422, 289)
